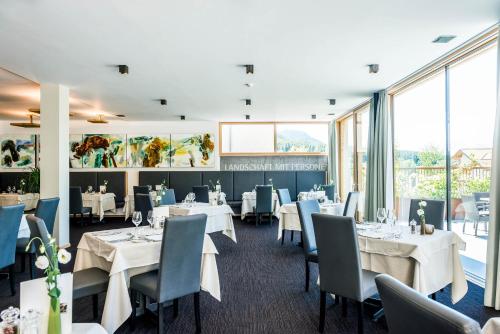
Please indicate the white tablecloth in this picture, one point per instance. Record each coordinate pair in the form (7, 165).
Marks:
(289, 217)
(125, 259)
(99, 203)
(311, 195)
(88, 329)
(492, 326)
(213, 196)
(24, 229)
(220, 217)
(426, 263)
(29, 200)
(248, 202)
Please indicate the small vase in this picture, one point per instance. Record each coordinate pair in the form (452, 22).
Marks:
(54, 316)
(422, 226)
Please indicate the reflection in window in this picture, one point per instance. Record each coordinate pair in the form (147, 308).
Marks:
(301, 138)
(247, 138)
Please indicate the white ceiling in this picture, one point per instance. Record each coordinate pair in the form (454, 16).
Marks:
(188, 51)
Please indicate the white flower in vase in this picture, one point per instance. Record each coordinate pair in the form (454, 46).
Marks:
(42, 262)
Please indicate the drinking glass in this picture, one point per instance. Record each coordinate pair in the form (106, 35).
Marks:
(150, 218)
(89, 189)
(381, 214)
(390, 218)
(137, 220)
(315, 187)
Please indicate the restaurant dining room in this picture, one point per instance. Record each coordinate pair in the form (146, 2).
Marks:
(249, 167)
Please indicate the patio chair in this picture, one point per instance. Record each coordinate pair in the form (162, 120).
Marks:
(481, 203)
(473, 214)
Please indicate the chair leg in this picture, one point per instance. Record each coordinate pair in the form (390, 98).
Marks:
(322, 310)
(307, 276)
(291, 236)
(95, 305)
(12, 280)
(344, 306)
(257, 218)
(32, 265)
(133, 301)
(475, 228)
(176, 307)
(271, 219)
(282, 236)
(360, 317)
(161, 312)
(197, 311)
(463, 227)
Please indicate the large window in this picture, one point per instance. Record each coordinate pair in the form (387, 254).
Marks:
(362, 122)
(346, 131)
(272, 138)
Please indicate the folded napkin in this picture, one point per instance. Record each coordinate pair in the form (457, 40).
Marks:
(154, 237)
(371, 234)
(113, 237)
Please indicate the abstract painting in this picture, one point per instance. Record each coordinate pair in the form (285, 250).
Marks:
(75, 161)
(196, 150)
(302, 138)
(148, 151)
(18, 151)
(102, 151)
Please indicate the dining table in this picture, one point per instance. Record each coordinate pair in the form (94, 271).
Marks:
(289, 217)
(115, 252)
(249, 201)
(312, 194)
(99, 202)
(29, 200)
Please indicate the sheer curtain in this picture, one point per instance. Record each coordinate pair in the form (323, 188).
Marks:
(492, 291)
(379, 166)
(332, 155)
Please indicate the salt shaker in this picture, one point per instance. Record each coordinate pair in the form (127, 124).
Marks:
(413, 226)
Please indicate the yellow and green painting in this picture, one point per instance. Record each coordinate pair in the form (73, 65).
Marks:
(148, 151)
(196, 150)
(18, 151)
(75, 161)
(101, 151)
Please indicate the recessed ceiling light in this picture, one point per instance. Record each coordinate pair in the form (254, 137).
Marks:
(247, 116)
(443, 39)
(373, 68)
(120, 115)
(123, 69)
(249, 84)
(248, 102)
(313, 116)
(332, 102)
(331, 114)
(249, 68)
(183, 117)
(163, 102)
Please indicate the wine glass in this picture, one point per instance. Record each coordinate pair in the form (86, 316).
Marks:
(381, 214)
(137, 220)
(150, 218)
(315, 187)
(390, 218)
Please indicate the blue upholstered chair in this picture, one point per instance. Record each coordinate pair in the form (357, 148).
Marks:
(10, 220)
(87, 282)
(179, 271)
(201, 194)
(434, 212)
(284, 198)
(264, 203)
(329, 191)
(409, 312)
(168, 197)
(46, 209)
(351, 204)
(76, 204)
(144, 204)
(339, 262)
(305, 209)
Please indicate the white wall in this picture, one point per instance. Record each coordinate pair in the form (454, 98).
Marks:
(132, 128)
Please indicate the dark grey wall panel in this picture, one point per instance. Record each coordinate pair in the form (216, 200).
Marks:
(117, 184)
(306, 180)
(283, 180)
(246, 181)
(226, 179)
(152, 178)
(83, 180)
(183, 182)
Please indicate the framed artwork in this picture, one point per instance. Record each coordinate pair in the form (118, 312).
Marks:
(75, 160)
(102, 151)
(18, 151)
(148, 151)
(192, 150)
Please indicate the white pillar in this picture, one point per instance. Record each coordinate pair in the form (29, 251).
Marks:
(54, 153)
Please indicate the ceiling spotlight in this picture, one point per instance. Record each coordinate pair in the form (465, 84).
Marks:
(183, 118)
(123, 69)
(99, 120)
(248, 102)
(373, 68)
(249, 69)
(249, 84)
(313, 116)
(331, 114)
(163, 102)
(247, 117)
(120, 115)
(443, 39)
(29, 124)
(332, 102)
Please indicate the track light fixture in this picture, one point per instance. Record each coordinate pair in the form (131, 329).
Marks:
(332, 102)
(248, 102)
(123, 69)
(313, 116)
(247, 117)
(183, 117)
(163, 102)
(249, 68)
(373, 68)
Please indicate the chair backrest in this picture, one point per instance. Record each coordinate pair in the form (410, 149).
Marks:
(410, 312)
(10, 220)
(470, 207)
(39, 229)
(479, 195)
(75, 200)
(201, 194)
(264, 200)
(284, 196)
(434, 212)
(338, 255)
(329, 191)
(305, 209)
(143, 203)
(168, 197)
(46, 210)
(180, 257)
(141, 190)
(351, 204)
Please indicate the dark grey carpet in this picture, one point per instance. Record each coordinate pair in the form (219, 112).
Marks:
(262, 286)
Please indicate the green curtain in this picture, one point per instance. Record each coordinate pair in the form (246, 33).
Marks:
(332, 155)
(378, 193)
(492, 291)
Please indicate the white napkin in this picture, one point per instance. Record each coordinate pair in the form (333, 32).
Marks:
(113, 237)
(371, 234)
(154, 237)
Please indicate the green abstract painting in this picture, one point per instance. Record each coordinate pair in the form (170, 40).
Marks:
(102, 151)
(18, 151)
(148, 151)
(196, 150)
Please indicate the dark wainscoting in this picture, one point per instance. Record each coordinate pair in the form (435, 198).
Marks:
(117, 183)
